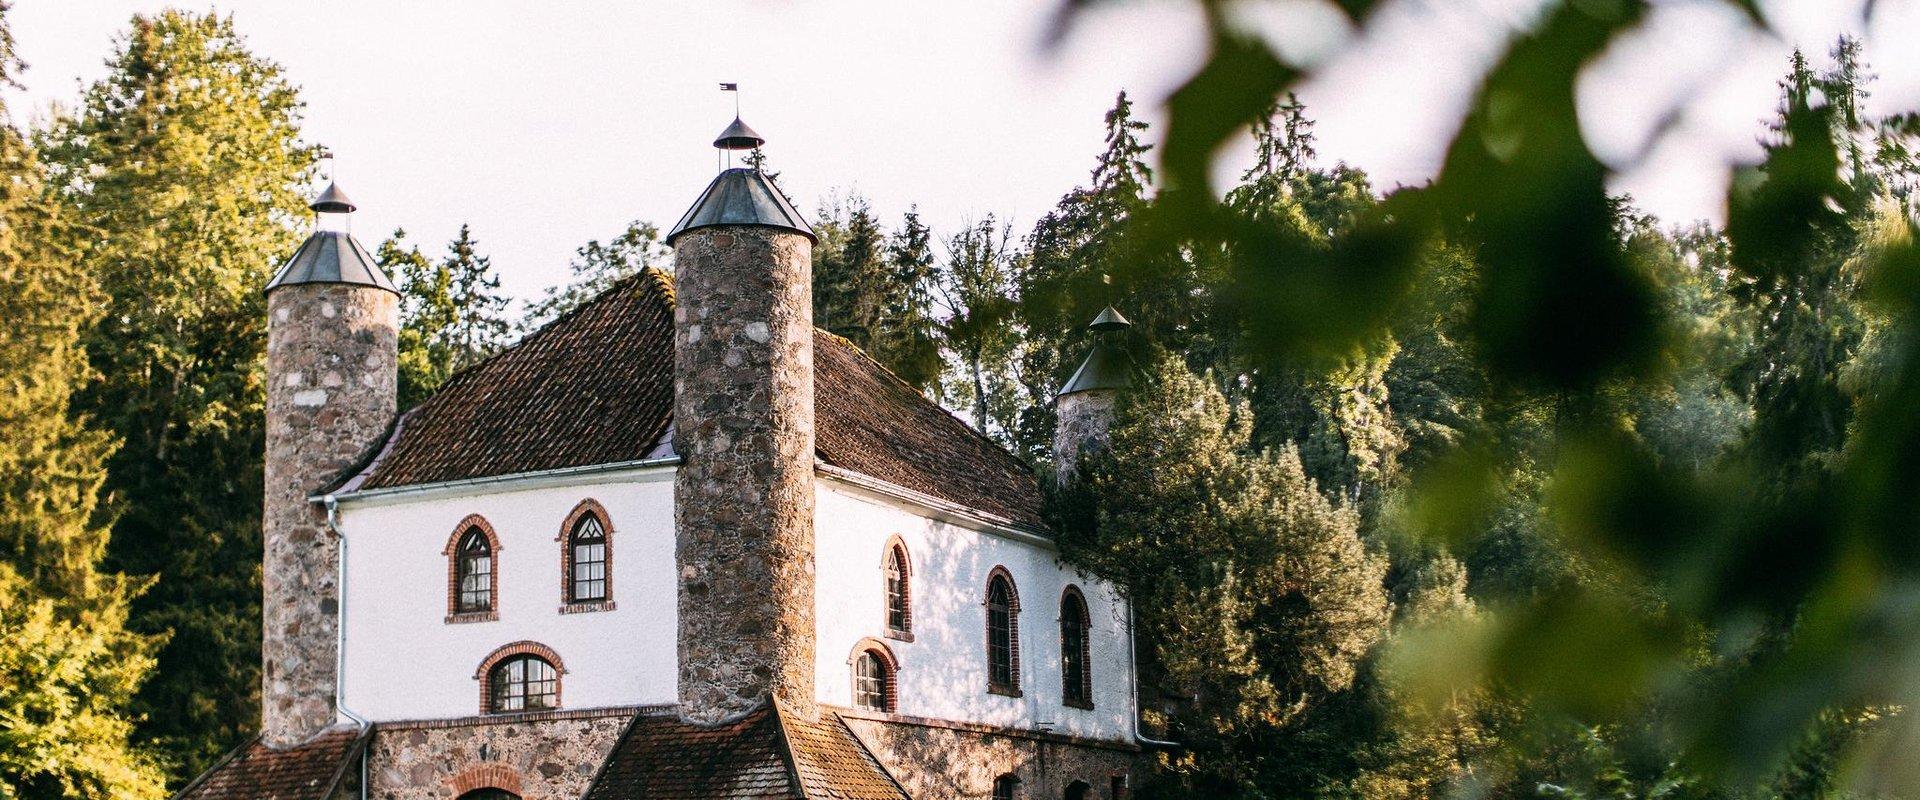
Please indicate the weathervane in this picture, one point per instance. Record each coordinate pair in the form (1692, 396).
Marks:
(737, 136)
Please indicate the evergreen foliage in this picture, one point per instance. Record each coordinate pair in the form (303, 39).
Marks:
(451, 312)
(596, 267)
(183, 170)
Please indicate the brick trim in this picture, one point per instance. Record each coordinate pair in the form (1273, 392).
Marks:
(454, 614)
(891, 692)
(1085, 700)
(1011, 688)
(897, 545)
(568, 605)
(490, 775)
(485, 673)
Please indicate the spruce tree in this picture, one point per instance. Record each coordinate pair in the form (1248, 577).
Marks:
(71, 666)
(904, 336)
(479, 326)
(849, 270)
(185, 171)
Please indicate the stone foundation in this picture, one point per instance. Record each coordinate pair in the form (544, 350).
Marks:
(331, 389)
(933, 759)
(743, 496)
(541, 756)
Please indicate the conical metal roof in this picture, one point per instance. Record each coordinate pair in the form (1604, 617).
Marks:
(331, 257)
(741, 196)
(1108, 366)
(332, 201)
(739, 137)
(1109, 320)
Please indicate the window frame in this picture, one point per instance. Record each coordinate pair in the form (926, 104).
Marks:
(569, 604)
(1006, 786)
(1076, 693)
(472, 524)
(512, 652)
(890, 684)
(1011, 686)
(896, 559)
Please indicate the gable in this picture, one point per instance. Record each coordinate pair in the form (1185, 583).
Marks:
(596, 387)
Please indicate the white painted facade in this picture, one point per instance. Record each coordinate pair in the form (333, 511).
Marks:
(404, 661)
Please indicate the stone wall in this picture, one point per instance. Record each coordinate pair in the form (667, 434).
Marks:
(542, 756)
(743, 498)
(944, 760)
(331, 389)
(1083, 419)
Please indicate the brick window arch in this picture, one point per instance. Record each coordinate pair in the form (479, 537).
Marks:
(876, 676)
(473, 571)
(523, 676)
(896, 568)
(1076, 650)
(1003, 633)
(586, 559)
(486, 782)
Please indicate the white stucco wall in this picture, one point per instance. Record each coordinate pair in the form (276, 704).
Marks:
(404, 661)
(943, 671)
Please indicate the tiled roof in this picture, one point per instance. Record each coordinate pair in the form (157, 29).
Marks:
(769, 753)
(307, 771)
(596, 387)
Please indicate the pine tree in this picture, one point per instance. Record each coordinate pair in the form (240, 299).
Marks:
(479, 326)
(71, 666)
(185, 169)
(1256, 598)
(849, 270)
(904, 335)
(451, 312)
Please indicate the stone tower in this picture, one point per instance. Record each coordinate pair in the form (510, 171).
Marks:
(743, 427)
(332, 343)
(1085, 406)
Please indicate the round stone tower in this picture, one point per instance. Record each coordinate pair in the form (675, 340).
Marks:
(743, 427)
(332, 345)
(1084, 409)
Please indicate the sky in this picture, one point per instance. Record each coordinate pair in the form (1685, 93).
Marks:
(545, 125)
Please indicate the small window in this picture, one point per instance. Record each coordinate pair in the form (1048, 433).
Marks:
(1076, 677)
(588, 583)
(474, 560)
(1003, 635)
(1006, 787)
(1079, 790)
(872, 682)
(489, 794)
(524, 683)
(899, 593)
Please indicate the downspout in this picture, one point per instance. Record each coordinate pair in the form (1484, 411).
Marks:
(1133, 675)
(340, 640)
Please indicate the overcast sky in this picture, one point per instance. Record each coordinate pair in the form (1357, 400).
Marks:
(548, 124)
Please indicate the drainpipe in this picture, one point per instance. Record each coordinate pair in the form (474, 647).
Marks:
(340, 642)
(1133, 674)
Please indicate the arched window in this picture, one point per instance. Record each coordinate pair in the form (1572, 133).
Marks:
(475, 569)
(1079, 790)
(899, 576)
(872, 682)
(1076, 664)
(588, 550)
(1003, 634)
(523, 676)
(523, 683)
(489, 794)
(1006, 787)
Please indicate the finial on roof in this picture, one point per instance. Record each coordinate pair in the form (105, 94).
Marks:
(332, 201)
(738, 137)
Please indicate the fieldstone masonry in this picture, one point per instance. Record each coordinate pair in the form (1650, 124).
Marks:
(743, 496)
(331, 395)
(554, 758)
(1083, 419)
(932, 760)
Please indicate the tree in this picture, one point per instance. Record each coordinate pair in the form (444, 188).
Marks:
(905, 337)
(849, 269)
(1256, 600)
(974, 289)
(71, 663)
(596, 267)
(451, 312)
(184, 169)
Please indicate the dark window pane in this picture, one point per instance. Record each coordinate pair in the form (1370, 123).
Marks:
(897, 618)
(1073, 649)
(1000, 642)
(1004, 787)
(475, 573)
(524, 683)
